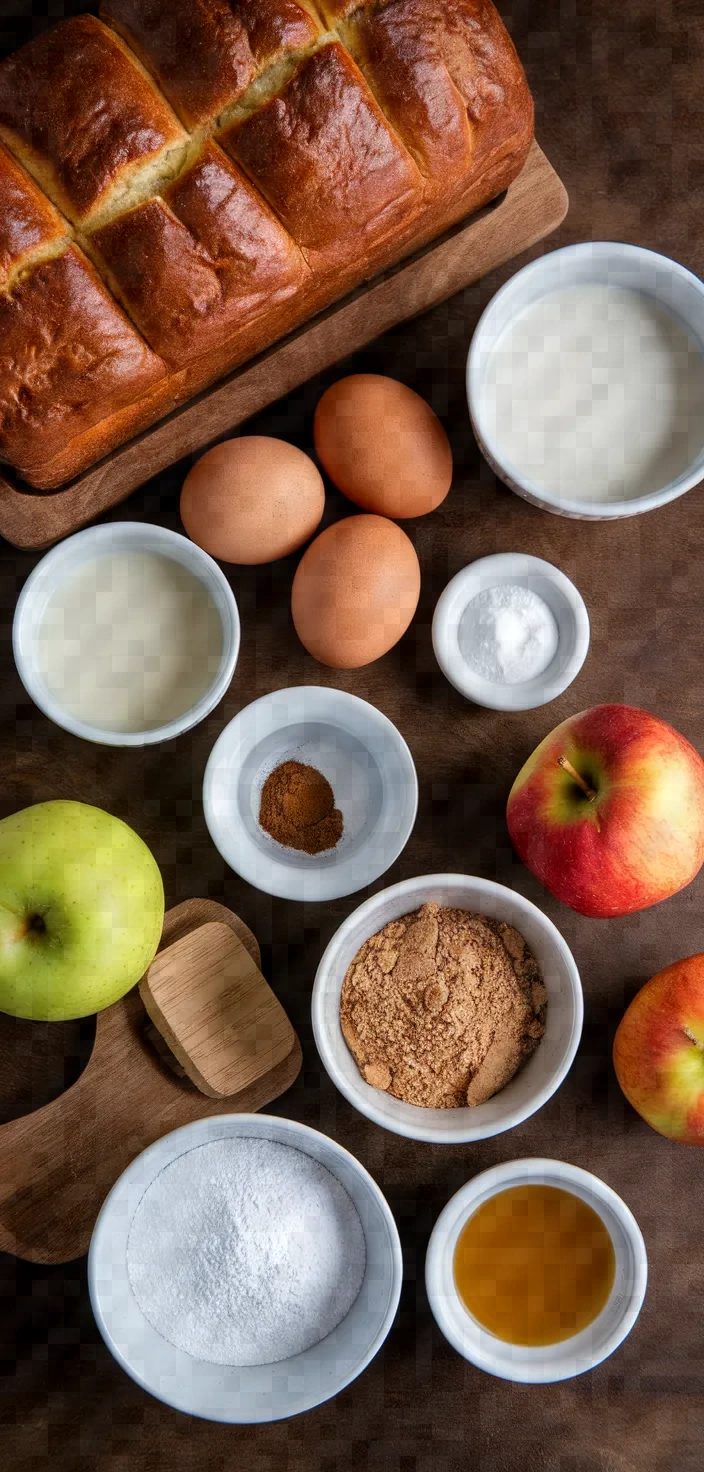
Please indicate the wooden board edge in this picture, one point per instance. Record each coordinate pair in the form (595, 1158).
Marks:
(270, 1086)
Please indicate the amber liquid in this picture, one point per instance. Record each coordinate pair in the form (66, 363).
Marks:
(534, 1265)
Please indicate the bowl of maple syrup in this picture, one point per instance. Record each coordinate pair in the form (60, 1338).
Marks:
(536, 1271)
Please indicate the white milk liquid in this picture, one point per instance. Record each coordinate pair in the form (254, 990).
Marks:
(596, 393)
(129, 641)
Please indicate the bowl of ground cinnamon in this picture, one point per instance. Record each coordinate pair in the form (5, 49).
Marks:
(447, 1008)
(310, 793)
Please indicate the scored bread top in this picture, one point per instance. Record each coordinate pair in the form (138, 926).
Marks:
(202, 261)
(65, 349)
(352, 130)
(303, 150)
(30, 227)
(205, 53)
(85, 120)
(447, 77)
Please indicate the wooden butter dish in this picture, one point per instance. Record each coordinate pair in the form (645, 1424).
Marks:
(229, 1034)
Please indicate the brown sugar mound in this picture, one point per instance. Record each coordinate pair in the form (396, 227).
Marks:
(298, 809)
(442, 1007)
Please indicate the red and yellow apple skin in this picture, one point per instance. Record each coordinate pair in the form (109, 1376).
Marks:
(639, 839)
(659, 1051)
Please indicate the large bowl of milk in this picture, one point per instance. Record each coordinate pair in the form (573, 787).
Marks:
(126, 634)
(585, 381)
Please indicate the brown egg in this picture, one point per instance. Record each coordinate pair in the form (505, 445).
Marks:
(355, 591)
(383, 446)
(252, 500)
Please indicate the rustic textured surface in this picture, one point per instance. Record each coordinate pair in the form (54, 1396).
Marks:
(619, 97)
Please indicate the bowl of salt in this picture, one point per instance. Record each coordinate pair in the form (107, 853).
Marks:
(511, 632)
(244, 1268)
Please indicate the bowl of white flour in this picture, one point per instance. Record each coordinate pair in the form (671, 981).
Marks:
(244, 1268)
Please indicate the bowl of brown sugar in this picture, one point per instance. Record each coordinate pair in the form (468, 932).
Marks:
(447, 1008)
(310, 793)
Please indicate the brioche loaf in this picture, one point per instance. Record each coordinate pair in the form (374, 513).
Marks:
(184, 181)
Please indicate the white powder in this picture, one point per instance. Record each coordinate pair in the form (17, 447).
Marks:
(508, 634)
(244, 1252)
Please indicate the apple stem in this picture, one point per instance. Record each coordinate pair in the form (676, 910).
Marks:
(562, 761)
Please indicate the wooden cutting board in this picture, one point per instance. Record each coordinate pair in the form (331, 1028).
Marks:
(533, 206)
(58, 1164)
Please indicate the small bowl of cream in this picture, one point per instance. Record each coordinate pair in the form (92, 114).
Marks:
(511, 632)
(126, 634)
(585, 381)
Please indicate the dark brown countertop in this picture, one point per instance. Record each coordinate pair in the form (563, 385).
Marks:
(619, 90)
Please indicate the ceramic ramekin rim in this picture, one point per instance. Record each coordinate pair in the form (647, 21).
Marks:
(315, 884)
(597, 250)
(455, 668)
(481, 1348)
(187, 1136)
(99, 540)
(361, 1096)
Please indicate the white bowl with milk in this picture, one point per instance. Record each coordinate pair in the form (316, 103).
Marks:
(585, 381)
(126, 634)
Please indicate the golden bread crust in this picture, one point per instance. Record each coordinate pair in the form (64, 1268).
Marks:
(66, 350)
(82, 116)
(448, 78)
(29, 224)
(303, 151)
(345, 150)
(205, 53)
(201, 263)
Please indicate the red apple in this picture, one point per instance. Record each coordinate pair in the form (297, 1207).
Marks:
(608, 812)
(659, 1051)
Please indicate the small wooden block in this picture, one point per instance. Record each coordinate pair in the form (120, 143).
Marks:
(219, 1016)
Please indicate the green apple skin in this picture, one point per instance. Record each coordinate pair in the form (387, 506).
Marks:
(659, 1051)
(639, 839)
(81, 910)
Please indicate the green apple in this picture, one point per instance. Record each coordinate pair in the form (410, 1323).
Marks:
(81, 910)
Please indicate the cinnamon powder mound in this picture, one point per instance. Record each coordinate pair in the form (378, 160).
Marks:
(442, 1007)
(297, 808)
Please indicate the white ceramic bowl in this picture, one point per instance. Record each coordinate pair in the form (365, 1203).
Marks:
(253, 1393)
(366, 762)
(537, 1366)
(602, 262)
(565, 603)
(531, 1087)
(101, 541)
